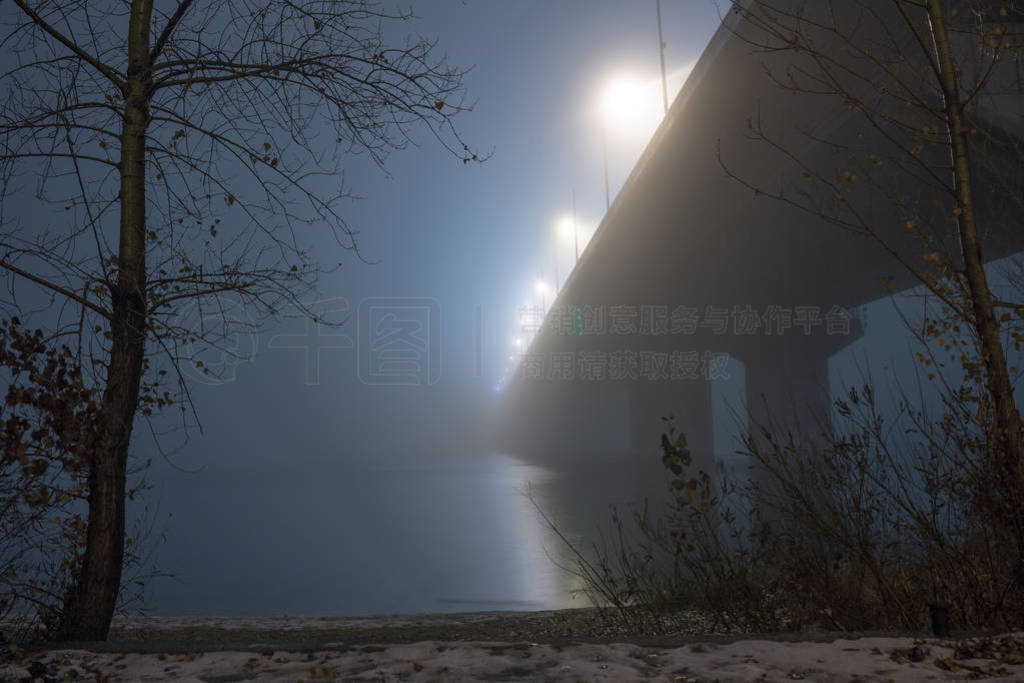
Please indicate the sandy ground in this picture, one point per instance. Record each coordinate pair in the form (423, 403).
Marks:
(223, 650)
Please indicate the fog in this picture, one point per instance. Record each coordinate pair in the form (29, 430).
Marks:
(395, 462)
(314, 487)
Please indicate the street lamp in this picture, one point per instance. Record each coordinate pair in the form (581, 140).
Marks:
(630, 106)
(566, 228)
(568, 232)
(542, 288)
(623, 102)
(620, 107)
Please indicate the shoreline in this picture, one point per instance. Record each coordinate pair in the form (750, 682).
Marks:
(556, 645)
(581, 625)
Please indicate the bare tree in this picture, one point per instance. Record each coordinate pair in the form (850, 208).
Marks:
(937, 85)
(186, 154)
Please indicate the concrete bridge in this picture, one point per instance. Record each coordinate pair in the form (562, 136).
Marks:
(690, 264)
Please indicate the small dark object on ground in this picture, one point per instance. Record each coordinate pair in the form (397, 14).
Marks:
(940, 620)
(37, 672)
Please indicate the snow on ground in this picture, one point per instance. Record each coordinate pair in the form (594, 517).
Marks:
(862, 660)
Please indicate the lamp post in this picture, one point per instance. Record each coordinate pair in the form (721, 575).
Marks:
(542, 288)
(619, 108)
(604, 155)
(569, 232)
(575, 231)
(661, 50)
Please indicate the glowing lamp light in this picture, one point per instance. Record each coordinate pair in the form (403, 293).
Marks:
(624, 102)
(566, 229)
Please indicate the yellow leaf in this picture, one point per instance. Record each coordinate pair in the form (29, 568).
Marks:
(680, 441)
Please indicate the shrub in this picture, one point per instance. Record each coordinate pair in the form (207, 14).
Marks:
(862, 527)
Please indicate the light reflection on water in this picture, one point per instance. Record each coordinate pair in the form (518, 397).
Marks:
(459, 536)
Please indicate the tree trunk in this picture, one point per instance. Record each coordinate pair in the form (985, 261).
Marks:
(1009, 455)
(89, 606)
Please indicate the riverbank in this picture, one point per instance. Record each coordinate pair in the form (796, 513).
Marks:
(529, 646)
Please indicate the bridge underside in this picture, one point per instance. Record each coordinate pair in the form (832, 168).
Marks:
(690, 262)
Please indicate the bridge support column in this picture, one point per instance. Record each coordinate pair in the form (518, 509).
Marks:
(787, 394)
(788, 391)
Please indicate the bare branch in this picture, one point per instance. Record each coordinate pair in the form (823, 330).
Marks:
(172, 24)
(114, 77)
(55, 287)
